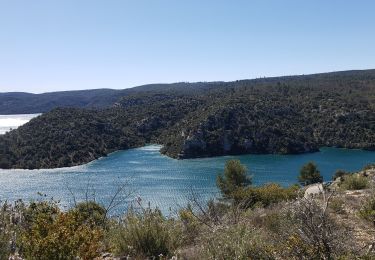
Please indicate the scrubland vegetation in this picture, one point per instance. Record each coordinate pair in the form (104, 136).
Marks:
(247, 222)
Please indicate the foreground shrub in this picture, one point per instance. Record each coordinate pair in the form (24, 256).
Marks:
(235, 242)
(4, 245)
(52, 234)
(146, 234)
(337, 205)
(367, 211)
(354, 182)
(45, 211)
(5, 231)
(90, 213)
(310, 230)
(191, 224)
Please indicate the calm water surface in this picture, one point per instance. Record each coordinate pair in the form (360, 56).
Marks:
(162, 181)
(158, 180)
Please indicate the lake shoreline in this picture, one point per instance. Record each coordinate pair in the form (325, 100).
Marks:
(166, 182)
(195, 158)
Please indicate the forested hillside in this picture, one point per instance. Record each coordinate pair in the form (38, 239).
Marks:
(284, 115)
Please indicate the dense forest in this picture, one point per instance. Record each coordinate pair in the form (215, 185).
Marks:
(286, 115)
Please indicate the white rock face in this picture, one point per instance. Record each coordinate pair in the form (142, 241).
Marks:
(314, 189)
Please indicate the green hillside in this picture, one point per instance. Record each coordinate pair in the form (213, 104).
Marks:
(285, 115)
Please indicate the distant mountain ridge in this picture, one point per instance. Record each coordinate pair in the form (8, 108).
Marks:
(29, 103)
(24, 103)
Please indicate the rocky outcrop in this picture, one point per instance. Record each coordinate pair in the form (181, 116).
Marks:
(230, 132)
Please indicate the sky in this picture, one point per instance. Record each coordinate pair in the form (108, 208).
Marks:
(50, 45)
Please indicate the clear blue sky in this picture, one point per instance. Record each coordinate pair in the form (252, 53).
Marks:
(55, 45)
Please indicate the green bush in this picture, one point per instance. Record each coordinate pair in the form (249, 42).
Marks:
(264, 195)
(235, 176)
(51, 234)
(146, 234)
(354, 182)
(90, 213)
(310, 174)
(46, 210)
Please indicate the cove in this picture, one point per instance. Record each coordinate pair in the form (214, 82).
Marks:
(164, 182)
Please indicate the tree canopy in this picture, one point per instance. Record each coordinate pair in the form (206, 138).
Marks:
(235, 176)
(310, 174)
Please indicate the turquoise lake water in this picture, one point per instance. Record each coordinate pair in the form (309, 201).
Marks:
(164, 182)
